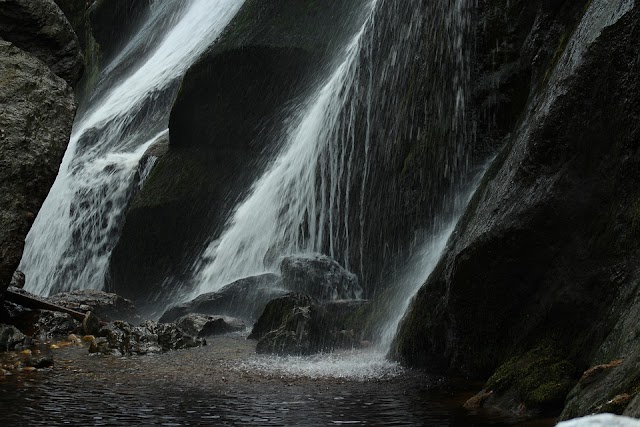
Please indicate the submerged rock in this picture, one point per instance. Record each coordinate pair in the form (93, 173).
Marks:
(201, 325)
(39, 360)
(320, 277)
(121, 338)
(244, 298)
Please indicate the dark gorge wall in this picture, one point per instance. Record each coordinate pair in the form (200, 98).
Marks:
(541, 274)
(40, 60)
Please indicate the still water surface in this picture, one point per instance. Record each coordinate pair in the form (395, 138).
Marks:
(225, 383)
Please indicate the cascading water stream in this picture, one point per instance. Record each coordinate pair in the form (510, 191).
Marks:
(71, 240)
(315, 195)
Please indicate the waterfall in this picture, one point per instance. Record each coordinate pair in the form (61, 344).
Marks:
(317, 195)
(74, 233)
(282, 212)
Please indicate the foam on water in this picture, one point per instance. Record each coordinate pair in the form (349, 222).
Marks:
(354, 365)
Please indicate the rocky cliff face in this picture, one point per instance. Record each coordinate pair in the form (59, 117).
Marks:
(540, 278)
(40, 61)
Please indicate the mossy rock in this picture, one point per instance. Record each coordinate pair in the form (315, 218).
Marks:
(541, 379)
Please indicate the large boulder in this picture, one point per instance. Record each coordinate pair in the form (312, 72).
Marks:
(548, 248)
(201, 325)
(227, 115)
(106, 306)
(276, 312)
(244, 298)
(38, 109)
(320, 277)
(40, 28)
(297, 324)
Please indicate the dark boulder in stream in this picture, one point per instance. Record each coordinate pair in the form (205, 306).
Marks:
(297, 324)
(244, 298)
(201, 325)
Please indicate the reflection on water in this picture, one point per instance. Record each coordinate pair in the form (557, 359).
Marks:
(225, 383)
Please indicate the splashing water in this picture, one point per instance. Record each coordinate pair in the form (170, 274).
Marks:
(71, 240)
(356, 365)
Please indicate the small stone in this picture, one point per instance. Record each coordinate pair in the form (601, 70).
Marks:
(88, 338)
(28, 369)
(90, 324)
(477, 401)
(26, 351)
(39, 361)
(18, 279)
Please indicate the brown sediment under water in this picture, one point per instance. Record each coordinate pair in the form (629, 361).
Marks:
(226, 383)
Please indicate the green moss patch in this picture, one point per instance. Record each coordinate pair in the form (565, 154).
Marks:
(541, 379)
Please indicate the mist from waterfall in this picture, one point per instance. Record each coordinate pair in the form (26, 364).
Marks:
(71, 240)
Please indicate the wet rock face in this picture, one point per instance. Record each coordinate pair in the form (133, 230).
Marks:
(38, 109)
(297, 324)
(276, 312)
(106, 306)
(320, 277)
(547, 249)
(121, 338)
(200, 325)
(18, 279)
(245, 298)
(10, 338)
(40, 28)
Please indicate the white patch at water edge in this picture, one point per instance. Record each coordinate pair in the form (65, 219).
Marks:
(353, 365)
(602, 420)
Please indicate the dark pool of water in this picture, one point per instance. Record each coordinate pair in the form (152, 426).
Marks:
(206, 387)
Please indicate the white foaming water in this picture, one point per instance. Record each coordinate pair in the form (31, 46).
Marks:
(71, 240)
(356, 365)
(282, 214)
